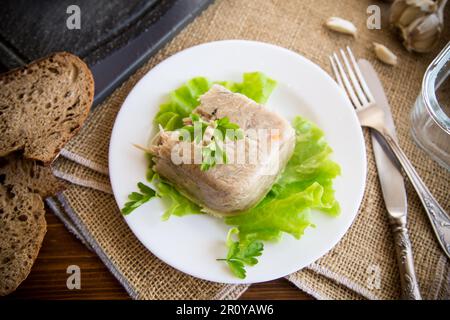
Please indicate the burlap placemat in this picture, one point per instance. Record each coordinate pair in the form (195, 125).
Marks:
(363, 264)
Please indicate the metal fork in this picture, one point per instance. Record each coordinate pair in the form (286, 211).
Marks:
(372, 116)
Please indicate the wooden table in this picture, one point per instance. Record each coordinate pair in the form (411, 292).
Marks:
(60, 249)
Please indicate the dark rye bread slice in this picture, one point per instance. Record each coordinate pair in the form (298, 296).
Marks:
(15, 171)
(43, 105)
(22, 230)
(23, 184)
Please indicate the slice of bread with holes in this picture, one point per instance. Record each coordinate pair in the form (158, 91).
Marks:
(43, 105)
(23, 185)
(15, 171)
(22, 230)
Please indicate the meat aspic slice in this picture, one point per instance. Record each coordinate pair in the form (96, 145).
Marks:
(235, 186)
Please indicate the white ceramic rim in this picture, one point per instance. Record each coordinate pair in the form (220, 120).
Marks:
(341, 100)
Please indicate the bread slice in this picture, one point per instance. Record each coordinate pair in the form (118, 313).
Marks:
(22, 230)
(15, 171)
(43, 105)
(23, 184)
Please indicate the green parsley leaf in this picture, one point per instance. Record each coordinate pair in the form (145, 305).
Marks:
(194, 135)
(149, 173)
(228, 129)
(211, 154)
(136, 199)
(194, 117)
(237, 267)
(241, 253)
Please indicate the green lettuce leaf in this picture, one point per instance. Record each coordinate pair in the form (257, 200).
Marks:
(306, 183)
(182, 101)
(257, 86)
(178, 205)
(272, 217)
(309, 164)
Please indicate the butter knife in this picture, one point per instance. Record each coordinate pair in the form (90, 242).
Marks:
(393, 188)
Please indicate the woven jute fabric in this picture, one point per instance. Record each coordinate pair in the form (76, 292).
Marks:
(363, 264)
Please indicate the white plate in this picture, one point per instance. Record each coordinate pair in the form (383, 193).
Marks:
(191, 244)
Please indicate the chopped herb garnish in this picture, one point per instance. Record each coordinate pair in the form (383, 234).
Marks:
(241, 254)
(212, 153)
(229, 129)
(150, 173)
(136, 199)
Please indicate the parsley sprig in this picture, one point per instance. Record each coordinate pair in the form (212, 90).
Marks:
(210, 154)
(229, 129)
(241, 254)
(213, 151)
(136, 199)
(196, 120)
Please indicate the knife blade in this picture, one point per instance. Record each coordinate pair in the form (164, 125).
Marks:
(389, 171)
(392, 186)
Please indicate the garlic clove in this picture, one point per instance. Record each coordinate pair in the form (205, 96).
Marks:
(384, 54)
(396, 11)
(409, 15)
(423, 34)
(424, 5)
(341, 25)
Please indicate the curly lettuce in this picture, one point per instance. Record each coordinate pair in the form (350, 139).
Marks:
(182, 101)
(305, 184)
(178, 205)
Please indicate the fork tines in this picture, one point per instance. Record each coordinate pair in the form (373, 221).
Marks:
(351, 80)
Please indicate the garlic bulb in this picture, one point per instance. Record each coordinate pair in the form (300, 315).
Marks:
(420, 22)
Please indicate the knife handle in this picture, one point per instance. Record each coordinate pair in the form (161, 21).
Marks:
(410, 287)
(439, 219)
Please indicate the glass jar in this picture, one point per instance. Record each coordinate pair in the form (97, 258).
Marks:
(430, 116)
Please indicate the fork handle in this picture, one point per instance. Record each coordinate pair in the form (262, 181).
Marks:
(439, 219)
(410, 288)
